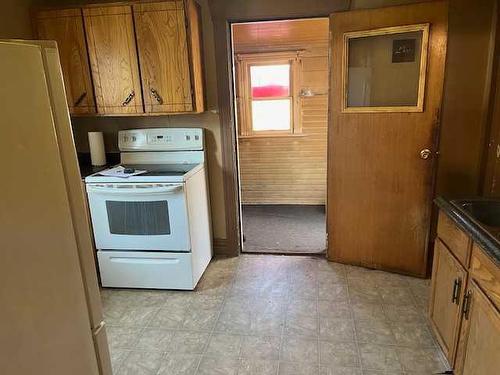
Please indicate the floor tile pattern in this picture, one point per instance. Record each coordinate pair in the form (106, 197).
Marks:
(276, 315)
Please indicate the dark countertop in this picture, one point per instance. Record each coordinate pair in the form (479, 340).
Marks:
(479, 233)
(86, 167)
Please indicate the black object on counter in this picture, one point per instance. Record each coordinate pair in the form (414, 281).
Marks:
(86, 167)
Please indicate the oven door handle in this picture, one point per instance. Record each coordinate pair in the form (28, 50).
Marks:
(135, 190)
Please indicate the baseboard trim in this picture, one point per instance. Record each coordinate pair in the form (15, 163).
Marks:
(222, 247)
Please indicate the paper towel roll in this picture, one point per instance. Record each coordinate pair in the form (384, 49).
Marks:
(97, 152)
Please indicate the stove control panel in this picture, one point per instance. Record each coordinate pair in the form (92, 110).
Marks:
(161, 139)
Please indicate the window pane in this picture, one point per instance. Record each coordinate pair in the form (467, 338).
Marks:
(271, 115)
(384, 70)
(270, 80)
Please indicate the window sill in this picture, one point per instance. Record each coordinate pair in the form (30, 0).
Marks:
(269, 135)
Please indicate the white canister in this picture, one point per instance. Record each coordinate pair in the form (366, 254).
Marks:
(97, 151)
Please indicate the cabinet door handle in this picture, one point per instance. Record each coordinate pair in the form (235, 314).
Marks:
(157, 96)
(457, 285)
(129, 98)
(466, 305)
(80, 99)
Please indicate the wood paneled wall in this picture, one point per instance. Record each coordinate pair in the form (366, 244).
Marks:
(289, 169)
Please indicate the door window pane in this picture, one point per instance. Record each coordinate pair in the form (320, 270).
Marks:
(270, 80)
(384, 70)
(271, 115)
(138, 218)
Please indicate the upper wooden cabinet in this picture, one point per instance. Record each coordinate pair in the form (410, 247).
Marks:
(113, 59)
(145, 57)
(66, 28)
(165, 56)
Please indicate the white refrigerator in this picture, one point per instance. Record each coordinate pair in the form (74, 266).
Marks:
(51, 318)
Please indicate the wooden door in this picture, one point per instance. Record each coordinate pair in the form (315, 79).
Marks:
(66, 28)
(163, 54)
(448, 284)
(479, 344)
(113, 59)
(386, 80)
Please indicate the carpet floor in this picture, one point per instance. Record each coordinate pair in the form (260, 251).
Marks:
(284, 229)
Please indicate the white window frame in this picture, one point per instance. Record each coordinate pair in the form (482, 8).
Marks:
(244, 92)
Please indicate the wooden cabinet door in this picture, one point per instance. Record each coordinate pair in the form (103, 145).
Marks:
(479, 345)
(164, 56)
(113, 59)
(66, 28)
(448, 283)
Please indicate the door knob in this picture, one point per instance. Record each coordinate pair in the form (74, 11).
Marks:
(425, 153)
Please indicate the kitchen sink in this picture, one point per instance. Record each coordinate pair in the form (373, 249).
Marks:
(484, 211)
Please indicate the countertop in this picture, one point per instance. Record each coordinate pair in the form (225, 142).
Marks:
(479, 233)
(86, 167)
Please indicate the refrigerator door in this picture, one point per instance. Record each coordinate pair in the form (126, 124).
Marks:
(46, 327)
(76, 193)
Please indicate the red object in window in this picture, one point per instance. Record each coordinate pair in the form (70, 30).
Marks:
(269, 91)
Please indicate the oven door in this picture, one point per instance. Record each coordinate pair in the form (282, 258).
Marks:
(139, 216)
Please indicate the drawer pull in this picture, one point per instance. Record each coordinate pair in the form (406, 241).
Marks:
(128, 99)
(466, 305)
(80, 99)
(457, 286)
(157, 96)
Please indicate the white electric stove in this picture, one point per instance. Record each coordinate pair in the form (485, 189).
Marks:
(153, 230)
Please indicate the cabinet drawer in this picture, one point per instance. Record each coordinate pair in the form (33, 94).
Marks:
(486, 274)
(454, 238)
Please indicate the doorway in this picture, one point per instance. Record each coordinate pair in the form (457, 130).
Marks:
(281, 106)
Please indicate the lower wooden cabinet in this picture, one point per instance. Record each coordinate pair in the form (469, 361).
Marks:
(464, 302)
(448, 284)
(479, 344)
